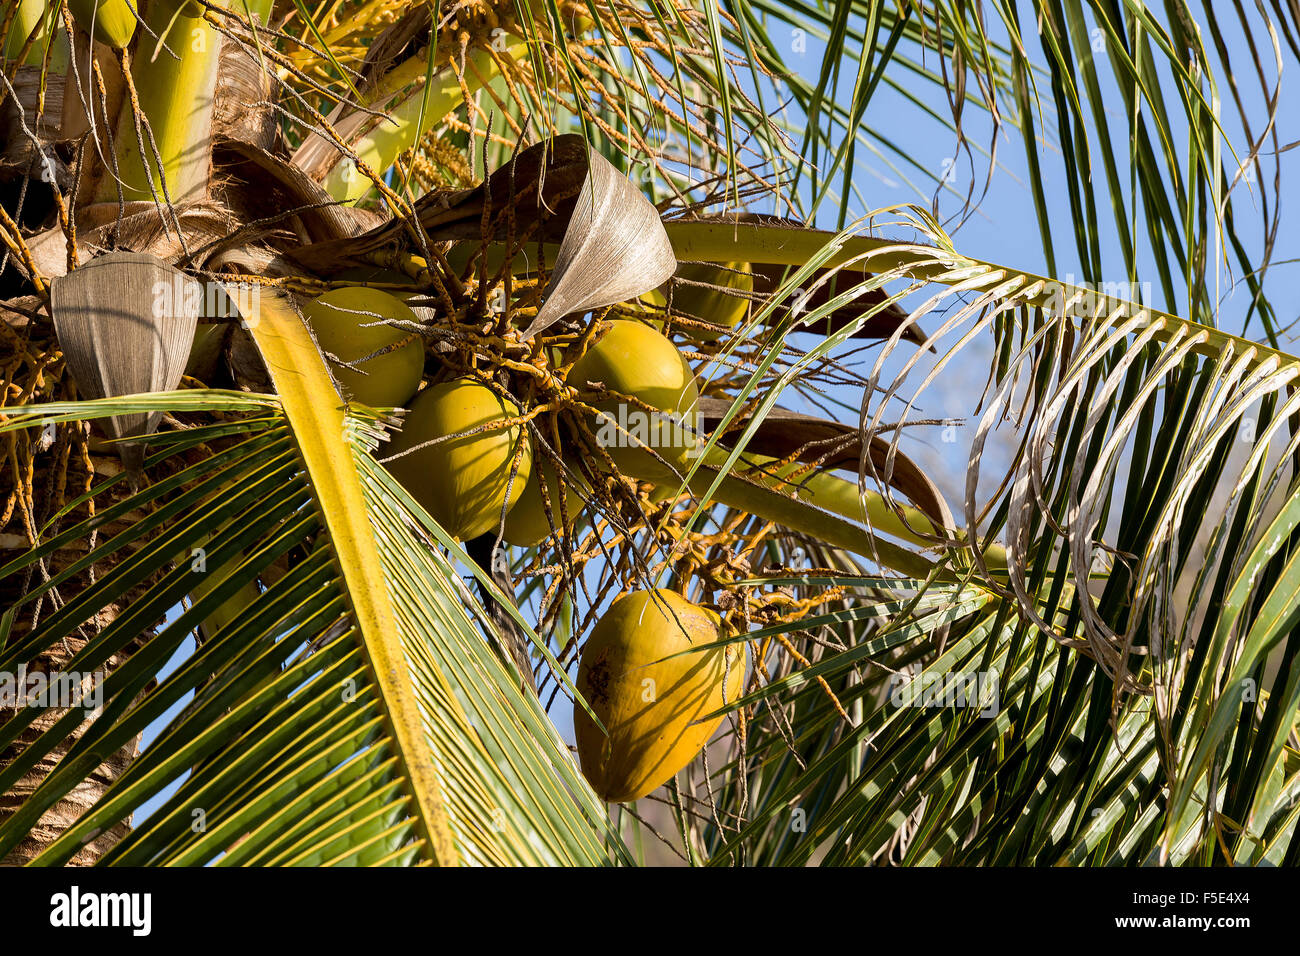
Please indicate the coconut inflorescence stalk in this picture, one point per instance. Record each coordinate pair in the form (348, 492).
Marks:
(527, 524)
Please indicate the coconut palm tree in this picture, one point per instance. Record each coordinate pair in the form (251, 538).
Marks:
(302, 626)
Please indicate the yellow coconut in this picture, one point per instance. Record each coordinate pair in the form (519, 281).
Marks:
(725, 305)
(632, 359)
(526, 524)
(339, 318)
(111, 22)
(462, 482)
(646, 698)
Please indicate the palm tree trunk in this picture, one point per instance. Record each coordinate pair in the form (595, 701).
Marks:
(67, 810)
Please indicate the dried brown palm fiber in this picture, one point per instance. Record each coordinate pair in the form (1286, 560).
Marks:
(276, 186)
(70, 101)
(125, 322)
(318, 153)
(24, 108)
(29, 162)
(243, 103)
(406, 36)
(139, 228)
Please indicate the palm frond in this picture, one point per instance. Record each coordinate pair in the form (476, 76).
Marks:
(319, 726)
(1140, 635)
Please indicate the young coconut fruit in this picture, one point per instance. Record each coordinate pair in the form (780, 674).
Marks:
(633, 359)
(647, 699)
(339, 319)
(526, 524)
(462, 482)
(716, 305)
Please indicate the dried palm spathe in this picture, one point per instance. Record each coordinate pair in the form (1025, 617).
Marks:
(125, 322)
(614, 249)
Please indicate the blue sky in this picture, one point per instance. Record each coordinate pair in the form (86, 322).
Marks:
(1004, 228)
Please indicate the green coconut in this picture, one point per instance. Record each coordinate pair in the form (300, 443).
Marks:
(339, 317)
(650, 690)
(526, 524)
(724, 305)
(462, 482)
(633, 359)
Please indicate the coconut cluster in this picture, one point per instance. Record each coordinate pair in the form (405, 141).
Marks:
(463, 454)
(649, 669)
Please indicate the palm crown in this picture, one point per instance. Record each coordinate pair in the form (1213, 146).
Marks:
(565, 223)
